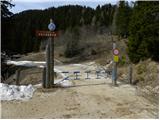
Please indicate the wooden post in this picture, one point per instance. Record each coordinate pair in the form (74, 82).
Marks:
(51, 61)
(44, 78)
(17, 76)
(48, 76)
(47, 66)
(7, 75)
(130, 74)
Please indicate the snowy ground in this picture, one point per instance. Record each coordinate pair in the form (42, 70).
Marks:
(13, 92)
(27, 63)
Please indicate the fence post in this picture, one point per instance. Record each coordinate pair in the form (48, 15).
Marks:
(130, 70)
(44, 77)
(17, 76)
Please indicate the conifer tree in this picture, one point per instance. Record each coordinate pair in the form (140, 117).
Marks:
(144, 31)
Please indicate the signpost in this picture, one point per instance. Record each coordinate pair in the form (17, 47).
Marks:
(48, 79)
(115, 61)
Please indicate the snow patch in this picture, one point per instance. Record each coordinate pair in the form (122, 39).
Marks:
(26, 63)
(66, 83)
(13, 92)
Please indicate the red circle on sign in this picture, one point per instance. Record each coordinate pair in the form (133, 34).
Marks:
(116, 52)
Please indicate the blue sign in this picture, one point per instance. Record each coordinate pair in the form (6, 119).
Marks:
(51, 26)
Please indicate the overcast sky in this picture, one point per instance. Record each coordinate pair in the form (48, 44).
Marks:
(21, 5)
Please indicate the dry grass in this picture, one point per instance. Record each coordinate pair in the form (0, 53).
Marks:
(146, 73)
(27, 76)
(145, 76)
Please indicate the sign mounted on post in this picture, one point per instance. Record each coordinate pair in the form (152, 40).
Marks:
(48, 76)
(116, 52)
(51, 26)
(116, 58)
(46, 33)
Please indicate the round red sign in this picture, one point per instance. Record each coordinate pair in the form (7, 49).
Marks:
(116, 52)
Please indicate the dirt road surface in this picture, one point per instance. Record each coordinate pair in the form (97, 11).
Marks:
(92, 98)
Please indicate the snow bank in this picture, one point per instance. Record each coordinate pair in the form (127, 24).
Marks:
(66, 83)
(26, 63)
(13, 92)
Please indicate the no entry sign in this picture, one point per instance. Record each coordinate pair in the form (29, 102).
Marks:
(116, 52)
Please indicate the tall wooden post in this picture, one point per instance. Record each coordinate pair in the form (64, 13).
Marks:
(47, 66)
(44, 77)
(51, 61)
(48, 75)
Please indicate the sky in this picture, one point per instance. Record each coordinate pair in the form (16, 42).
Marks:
(21, 5)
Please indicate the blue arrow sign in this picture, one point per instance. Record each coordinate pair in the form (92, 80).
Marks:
(51, 26)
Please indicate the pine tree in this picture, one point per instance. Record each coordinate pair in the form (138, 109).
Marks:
(4, 9)
(123, 18)
(144, 31)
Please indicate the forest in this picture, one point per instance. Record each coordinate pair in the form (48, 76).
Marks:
(137, 21)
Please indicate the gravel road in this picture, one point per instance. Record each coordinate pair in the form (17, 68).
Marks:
(92, 98)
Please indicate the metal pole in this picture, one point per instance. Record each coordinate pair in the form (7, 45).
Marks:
(47, 66)
(114, 69)
(114, 45)
(114, 73)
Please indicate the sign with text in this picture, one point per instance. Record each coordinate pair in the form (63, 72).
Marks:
(46, 34)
